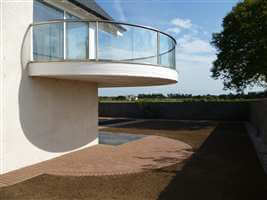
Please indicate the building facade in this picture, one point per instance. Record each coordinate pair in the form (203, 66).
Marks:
(54, 57)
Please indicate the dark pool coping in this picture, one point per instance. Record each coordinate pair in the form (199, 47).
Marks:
(103, 122)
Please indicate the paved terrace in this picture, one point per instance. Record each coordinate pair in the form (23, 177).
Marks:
(224, 166)
(151, 152)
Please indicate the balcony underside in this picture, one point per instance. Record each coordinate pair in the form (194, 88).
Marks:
(105, 74)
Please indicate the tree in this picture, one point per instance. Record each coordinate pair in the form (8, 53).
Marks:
(242, 47)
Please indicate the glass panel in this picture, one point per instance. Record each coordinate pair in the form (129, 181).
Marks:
(114, 43)
(48, 39)
(127, 43)
(76, 38)
(48, 42)
(167, 51)
(145, 46)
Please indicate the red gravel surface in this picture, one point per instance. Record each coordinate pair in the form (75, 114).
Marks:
(224, 166)
(148, 153)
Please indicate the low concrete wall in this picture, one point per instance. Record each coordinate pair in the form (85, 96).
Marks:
(230, 111)
(257, 129)
(258, 118)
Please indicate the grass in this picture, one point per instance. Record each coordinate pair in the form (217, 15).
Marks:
(224, 167)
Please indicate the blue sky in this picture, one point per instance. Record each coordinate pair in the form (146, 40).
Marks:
(192, 24)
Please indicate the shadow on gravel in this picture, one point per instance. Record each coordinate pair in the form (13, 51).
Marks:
(224, 167)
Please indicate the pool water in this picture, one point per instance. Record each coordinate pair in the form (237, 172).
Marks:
(117, 138)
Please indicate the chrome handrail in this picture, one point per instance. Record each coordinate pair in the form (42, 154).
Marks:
(103, 21)
(118, 25)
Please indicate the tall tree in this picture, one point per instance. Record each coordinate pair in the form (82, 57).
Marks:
(242, 46)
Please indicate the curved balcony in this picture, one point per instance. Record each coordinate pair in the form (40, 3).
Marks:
(105, 52)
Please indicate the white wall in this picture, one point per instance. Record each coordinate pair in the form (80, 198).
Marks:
(43, 118)
(1, 87)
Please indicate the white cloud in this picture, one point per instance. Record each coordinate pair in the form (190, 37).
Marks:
(182, 23)
(173, 30)
(177, 25)
(191, 45)
(197, 46)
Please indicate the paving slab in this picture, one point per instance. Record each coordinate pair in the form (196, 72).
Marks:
(151, 152)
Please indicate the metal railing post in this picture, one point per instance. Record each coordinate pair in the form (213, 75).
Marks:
(174, 58)
(64, 38)
(96, 40)
(31, 40)
(88, 43)
(158, 49)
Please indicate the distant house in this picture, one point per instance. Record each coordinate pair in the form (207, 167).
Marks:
(55, 56)
(132, 98)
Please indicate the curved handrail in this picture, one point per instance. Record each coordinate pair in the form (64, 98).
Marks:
(148, 57)
(103, 21)
(118, 25)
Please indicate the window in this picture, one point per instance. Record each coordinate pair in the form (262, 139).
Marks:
(48, 39)
(44, 12)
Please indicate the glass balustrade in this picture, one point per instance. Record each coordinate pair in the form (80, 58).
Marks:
(101, 41)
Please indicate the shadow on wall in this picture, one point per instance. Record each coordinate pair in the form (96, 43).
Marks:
(57, 115)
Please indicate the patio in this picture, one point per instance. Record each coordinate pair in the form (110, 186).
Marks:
(224, 166)
(146, 153)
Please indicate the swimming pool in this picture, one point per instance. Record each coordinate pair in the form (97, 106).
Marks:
(117, 138)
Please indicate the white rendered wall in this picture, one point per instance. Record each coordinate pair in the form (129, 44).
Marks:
(43, 118)
(1, 87)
